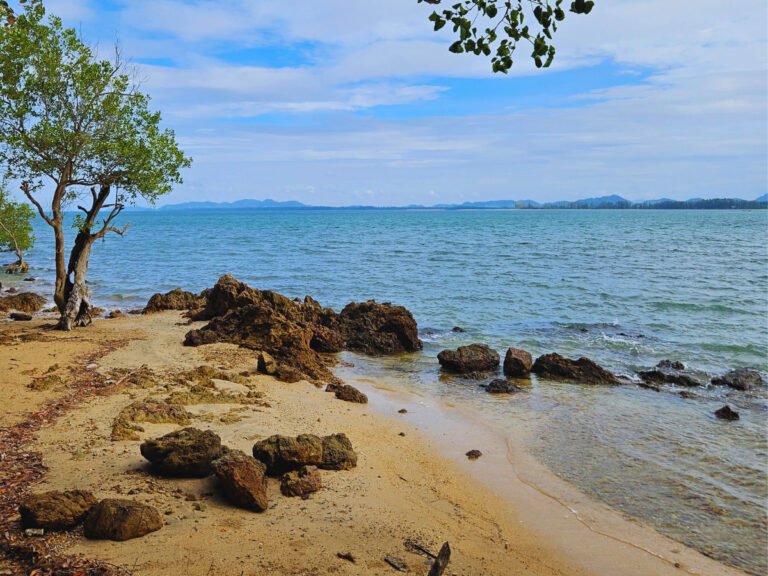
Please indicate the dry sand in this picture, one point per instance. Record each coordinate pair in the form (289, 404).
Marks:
(503, 514)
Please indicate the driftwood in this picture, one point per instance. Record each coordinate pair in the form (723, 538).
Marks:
(441, 562)
(396, 563)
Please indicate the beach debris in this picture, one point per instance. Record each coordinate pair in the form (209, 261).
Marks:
(584, 371)
(414, 546)
(284, 453)
(45, 382)
(186, 453)
(176, 299)
(26, 302)
(242, 479)
(346, 556)
(740, 379)
(726, 413)
(124, 426)
(120, 520)
(473, 454)
(347, 393)
(471, 360)
(20, 317)
(34, 532)
(501, 386)
(396, 563)
(56, 510)
(301, 482)
(442, 560)
(517, 363)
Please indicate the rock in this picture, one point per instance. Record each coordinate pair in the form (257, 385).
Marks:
(186, 453)
(670, 365)
(266, 364)
(176, 299)
(200, 338)
(725, 413)
(114, 314)
(283, 454)
(242, 480)
(56, 510)
(26, 302)
(124, 426)
(517, 363)
(378, 329)
(583, 370)
(473, 454)
(458, 330)
(30, 279)
(350, 394)
(475, 358)
(657, 377)
(20, 317)
(501, 386)
(301, 482)
(402, 411)
(121, 520)
(740, 379)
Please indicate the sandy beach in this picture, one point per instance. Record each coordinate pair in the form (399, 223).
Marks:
(502, 514)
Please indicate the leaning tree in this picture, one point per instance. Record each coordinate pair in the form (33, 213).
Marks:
(76, 132)
(16, 233)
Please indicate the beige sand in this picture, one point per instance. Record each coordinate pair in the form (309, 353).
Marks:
(503, 514)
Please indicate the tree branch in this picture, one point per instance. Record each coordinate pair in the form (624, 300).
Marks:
(28, 193)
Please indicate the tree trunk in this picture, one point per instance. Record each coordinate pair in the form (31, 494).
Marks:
(59, 296)
(77, 296)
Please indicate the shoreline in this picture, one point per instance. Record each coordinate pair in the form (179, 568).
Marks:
(497, 518)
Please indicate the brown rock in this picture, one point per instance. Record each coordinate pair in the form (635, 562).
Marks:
(242, 480)
(283, 454)
(350, 394)
(121, 520)
(473, 454)
(301, 482)
(472, 359)
(338, 453)
(517, 363)
(20, 317)
(378, 329)
(726, 413)
(740, 379)
(26, 302)
(176, 299)
(501, 386)
(583, 370)
(186, 453)
(125, 428)
(266, 364)
(56, 510)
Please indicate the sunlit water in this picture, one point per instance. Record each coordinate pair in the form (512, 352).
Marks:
(626, 288)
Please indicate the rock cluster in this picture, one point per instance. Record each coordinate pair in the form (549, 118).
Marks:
(740, 379)
(283, 454)
(176, 299)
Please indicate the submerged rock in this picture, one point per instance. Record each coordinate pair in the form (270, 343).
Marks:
(583, 370)
(176, 299)
(501, 386)
(25, 302)
(283, 454)
(302, 482)
(726, 413)
(740, 379)
(242, 480)
(670, 365)
(658, 377)
(121, 520)
(474, 358)
(186, 453)
(517, 363)
(56, 510)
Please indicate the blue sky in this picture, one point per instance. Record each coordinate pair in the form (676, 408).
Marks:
(347, 102)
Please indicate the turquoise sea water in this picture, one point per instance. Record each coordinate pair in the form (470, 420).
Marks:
(626, 288)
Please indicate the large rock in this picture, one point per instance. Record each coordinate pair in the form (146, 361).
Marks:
(56, 510)
(659, 376)
(242, 480)
(301, 482)
(121, 520)
(25, 302)
(377, 329)
(517, 363)
(475, 358)
(583, 370)
(726, 413)
(740, 379)
(283, 454)
(186, 453)
(347, 393)
(176, 299)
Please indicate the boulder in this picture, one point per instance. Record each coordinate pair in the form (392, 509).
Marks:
(656, 377)
(20, 317)
(283, 454)
(338, 453)
(186, 453)
(176, 299)
(378, 329)
(583, 370)
(501, 386)
(242, 480)
(56, 510)
(740, 379)
(475, 358)
(301, 482)
(349, 393)
(121, 520)
(517, 363)
(726, 413)
(25, 302)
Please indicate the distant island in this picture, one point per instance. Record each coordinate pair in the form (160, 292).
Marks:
(612, 202)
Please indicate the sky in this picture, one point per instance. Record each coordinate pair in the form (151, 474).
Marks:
(360, 102)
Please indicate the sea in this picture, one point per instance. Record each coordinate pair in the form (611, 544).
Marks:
(626, 288)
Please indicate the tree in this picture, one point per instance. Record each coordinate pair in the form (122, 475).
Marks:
(15, 230)
(495, 27)
(81, 125)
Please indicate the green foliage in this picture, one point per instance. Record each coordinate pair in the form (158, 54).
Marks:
(494, 27)
(15, 225)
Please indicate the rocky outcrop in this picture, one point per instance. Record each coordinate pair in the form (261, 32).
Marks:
(56, 510)
(583, 370)
(378, 329)
(301, 482)
(176, 299)
(186, 453)
(474, 359)
(726, 413)
(25, 302)
(517, 363)
(243, 480)
(740, 379)
(121, 520)
(125, 426)
(501, 386)
(283, 454)
(347, 393)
